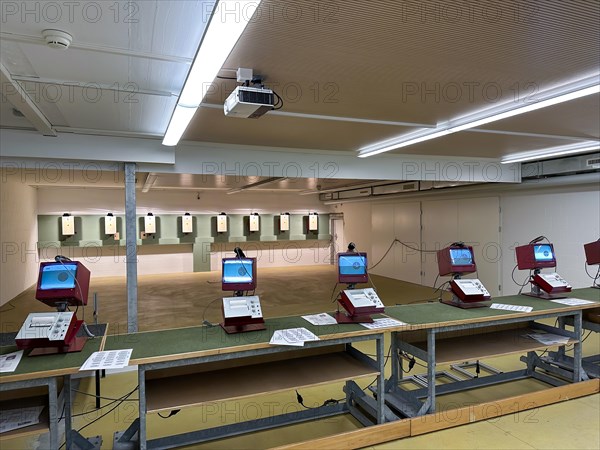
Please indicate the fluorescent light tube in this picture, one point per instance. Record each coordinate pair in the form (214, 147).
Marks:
(228, 21)
(478, 119)
(179, 121)
(548, 153)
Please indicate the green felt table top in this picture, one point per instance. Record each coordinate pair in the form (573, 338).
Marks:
(203, 340)
(428, 315)
(31, 367)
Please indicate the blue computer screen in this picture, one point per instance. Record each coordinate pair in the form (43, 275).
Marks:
(461, 256)
(543, 252)
(352, 265)
(237, 270)
(58, 276)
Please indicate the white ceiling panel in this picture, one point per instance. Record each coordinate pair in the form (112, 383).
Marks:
(409, 63)
(98, 109)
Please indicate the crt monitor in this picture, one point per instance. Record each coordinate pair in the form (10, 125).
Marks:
(592, 253)
(239, 274)
(456, 259)
(62, 282)
(535, 256)
(352, 268)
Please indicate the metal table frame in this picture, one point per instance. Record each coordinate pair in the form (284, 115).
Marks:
(357, 401)
(409, 403)
(590, 364)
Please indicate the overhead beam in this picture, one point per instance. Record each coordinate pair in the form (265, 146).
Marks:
(19, 98)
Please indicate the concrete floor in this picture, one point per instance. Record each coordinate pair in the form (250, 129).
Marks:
(185, 299)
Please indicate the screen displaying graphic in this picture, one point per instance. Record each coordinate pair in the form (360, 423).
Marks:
(461, 256)
(58, 276)
(543, 252)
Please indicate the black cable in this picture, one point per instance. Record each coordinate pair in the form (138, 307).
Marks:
(512, 275)
(415, 248)
(119, 400)
(411, 361)
(2, 311)
(405, 245)
(586, 271)
(226, 78)
(103, 398)
(383, 257)
(206, 307)
(279, 101)
(171, 414)
(332, 292)
(103, 415)
(581, 342)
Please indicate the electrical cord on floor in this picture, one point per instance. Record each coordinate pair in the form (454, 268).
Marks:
(104, 398)
(330, 401)
(118, 403)
(120, 399)
(333, 401)
(171, 414)
(2, 311)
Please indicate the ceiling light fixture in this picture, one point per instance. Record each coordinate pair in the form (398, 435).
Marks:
(555, 96)
(150, 180)
(550, 153)
(227, 23)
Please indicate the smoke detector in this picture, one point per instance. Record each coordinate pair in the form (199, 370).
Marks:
(57, 39)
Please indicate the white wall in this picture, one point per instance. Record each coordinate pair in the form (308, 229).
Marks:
(493, 221)
(357, 225)
(58, 200)
(567, 219)
(18, 233)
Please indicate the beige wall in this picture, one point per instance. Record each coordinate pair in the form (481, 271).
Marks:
(357, 224)
(18, 233)
(494, 222)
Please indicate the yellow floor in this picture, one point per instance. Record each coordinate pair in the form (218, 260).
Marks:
(573, 424)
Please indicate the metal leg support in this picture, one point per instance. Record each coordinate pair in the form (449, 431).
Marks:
(74, 440)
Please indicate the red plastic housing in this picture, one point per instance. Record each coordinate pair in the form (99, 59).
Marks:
(456, 259)
(535, 256)
(75, 295)
(592, 253)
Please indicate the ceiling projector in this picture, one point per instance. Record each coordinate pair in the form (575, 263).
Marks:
(249, 102)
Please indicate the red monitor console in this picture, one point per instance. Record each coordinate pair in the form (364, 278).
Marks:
(536, 256)
(358, 303)
(61, 283)
(592, 253)
(456, 260)
(242, 312)
(592, 258)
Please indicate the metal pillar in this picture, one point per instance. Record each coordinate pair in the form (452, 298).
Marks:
(131, 248)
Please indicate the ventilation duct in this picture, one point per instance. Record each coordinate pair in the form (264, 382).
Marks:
(569, 165)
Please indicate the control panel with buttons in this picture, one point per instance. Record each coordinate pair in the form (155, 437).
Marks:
(361, 301)
(242, 307)
(469, 290)
(53, 326)
(551, 282)
(242, 313)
